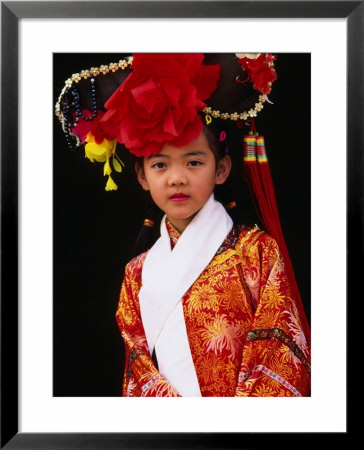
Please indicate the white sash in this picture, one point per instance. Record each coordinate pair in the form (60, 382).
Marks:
(167, 275)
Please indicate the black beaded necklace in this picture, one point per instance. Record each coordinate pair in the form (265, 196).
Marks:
(71, 103)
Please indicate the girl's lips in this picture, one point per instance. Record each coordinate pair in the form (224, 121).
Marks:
(179, 197)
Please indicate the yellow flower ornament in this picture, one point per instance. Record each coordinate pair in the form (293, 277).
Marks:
(102, 153)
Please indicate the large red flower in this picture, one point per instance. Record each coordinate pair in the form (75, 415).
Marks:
(159, 101)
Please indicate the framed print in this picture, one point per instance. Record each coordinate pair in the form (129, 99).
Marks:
(62, 361)
(83, 322)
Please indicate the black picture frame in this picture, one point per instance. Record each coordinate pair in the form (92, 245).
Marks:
(11, 12)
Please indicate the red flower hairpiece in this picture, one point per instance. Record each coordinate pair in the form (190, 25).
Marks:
(159, 102)
(260, 71)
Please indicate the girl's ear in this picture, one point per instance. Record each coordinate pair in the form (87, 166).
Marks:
(223, 169)
(141, 176)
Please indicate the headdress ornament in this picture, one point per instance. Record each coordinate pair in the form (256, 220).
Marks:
(162, 98)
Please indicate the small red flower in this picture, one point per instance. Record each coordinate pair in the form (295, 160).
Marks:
(97, 128)
(159, 101)
(260, 71)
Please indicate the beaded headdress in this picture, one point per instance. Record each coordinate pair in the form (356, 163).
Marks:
(148, 99)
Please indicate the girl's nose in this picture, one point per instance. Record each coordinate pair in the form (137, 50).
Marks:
(177, 177)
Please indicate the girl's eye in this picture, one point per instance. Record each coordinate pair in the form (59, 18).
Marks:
(194, 163)
(159, 165)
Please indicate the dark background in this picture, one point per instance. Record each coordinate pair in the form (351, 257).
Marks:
(95, 230)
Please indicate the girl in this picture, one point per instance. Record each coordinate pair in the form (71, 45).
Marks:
(211, 309)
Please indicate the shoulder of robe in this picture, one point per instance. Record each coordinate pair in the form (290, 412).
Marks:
(256, 240)
(134, 267)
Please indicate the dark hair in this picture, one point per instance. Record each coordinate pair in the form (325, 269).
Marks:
(220, 147)
(148, 234)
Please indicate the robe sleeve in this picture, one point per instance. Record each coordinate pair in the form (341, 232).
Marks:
(276, 355)
(141, 377)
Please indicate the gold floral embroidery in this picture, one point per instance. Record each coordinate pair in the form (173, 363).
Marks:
(243, 289)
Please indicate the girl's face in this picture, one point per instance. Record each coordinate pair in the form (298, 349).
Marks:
(181, 179)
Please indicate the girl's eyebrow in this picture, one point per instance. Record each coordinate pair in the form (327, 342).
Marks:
(193, 153)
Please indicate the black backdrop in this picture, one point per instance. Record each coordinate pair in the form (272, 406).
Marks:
(94, 230)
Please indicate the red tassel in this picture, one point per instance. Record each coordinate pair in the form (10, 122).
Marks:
(257, 174)
(251, 173)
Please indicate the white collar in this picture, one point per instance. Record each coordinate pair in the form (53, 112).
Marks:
(168, 274)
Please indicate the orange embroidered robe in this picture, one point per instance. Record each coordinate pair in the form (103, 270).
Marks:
(242, 324)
